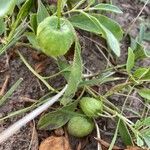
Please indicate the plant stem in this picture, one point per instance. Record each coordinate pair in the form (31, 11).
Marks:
(59, 12)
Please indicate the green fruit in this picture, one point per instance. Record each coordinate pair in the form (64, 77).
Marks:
(80, 126)
(91, 106)
(53, 41)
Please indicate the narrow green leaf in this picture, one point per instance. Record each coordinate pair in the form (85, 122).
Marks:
(62, 65)
(99, 81)
(42, 12)
(139, 141)
(115, 136)
(15, 37)
(20, 1)
(6, 7)
(90, 2)
(75, 75)
(33, 22)
(10, 92)
(140, 73)
(147, 76)
(130, 60)
(112, 42)
(147, 36)
(116, 88)
(24, 11)
(2, 26)
(58, 118)
(139, 50)
(147, 140)
(145, 93)
(32, 39)
(102, 78)
(125, 134)
(140, 37)
(142, 123)
(106, 7)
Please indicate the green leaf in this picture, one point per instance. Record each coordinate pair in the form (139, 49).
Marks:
(33, 22)
(15, 37)
(58, 118)
(92, 24)
(2, 26)
(139, 141)
(20, 1)
(103, 78)
(140, 37)
(116, 88)
(42, 12)
(130, 60)
(90, 2)
(142, 123)
(142, 74)
(63, 65)
(99, 81)
(125, 134)
(73, 2)
(145, 93)
(112, 42)
(147, 140)
(10, 91)
(106, 7)
(84, 23)
(139, 50)
(111, 25)
(75, 75)
(32, 39)
(6, 7)
(147, 76)
(147, 36)
(115, 136)
(24, 11)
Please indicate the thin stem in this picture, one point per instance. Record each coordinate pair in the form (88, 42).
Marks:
(59, 12)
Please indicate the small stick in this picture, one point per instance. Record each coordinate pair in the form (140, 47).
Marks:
(2, 91)
(98, 136)
(22, 122)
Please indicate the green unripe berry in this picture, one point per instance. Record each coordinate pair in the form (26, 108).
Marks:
(91, 106)
(52, 40)
(80, 126)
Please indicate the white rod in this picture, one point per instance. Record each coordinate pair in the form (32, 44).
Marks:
(23, 121)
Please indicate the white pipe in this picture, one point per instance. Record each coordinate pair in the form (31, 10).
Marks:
(23, 121)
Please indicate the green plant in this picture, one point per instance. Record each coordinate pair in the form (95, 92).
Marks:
(54, 36)
(80, 126)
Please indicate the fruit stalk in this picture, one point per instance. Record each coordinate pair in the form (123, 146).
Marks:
(59, 12)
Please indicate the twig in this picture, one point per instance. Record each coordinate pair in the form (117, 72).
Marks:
(4, 86)
(98, 136)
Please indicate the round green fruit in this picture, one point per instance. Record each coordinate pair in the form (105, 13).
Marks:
(91, 106)
(80, 126)
(52, 40)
